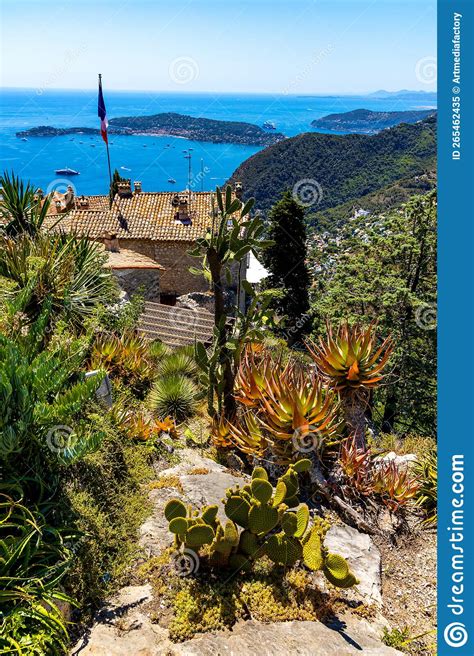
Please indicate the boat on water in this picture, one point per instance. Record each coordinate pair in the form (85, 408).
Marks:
(171, 180)
(66, 171)
(24, 139)
(269, 125)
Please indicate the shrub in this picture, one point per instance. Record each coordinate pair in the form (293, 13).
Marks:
(175, 396)
(426, 498)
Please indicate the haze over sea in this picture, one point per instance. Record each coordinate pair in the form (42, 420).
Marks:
(147, 158)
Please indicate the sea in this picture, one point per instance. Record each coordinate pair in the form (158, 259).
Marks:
(153, 160)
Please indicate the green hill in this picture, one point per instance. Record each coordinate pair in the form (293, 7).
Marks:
(340, 169)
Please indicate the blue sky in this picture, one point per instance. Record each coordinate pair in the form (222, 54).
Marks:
(286, 46)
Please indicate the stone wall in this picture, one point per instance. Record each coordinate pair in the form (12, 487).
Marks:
(176, 279)
(131, 280)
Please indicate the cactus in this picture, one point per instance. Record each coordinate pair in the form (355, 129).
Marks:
(258, 508)
(337, 571)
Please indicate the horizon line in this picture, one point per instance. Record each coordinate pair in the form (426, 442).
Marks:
(249, 93)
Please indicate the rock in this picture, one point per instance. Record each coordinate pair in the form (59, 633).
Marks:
(199, 489)
(346, 636)
(363, 557)
(122, 628)
(402, 461)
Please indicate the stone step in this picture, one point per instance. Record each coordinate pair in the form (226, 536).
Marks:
(178, 319)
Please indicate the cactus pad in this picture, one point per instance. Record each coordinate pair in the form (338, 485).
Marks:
(280, 493)
(262, 518)
(312, 550)
(237, 509)
(289, 523)
(262, 490)
(260, 472)
(198, 535)
(209, 515)
(231, 534)
(178, 525)
(238, 563)
(303, 465)
(283, 550)
(248, 544)
(175, 508)
(302, 516)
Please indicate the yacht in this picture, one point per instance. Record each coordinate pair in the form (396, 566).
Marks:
(171, 180)
(66, 171)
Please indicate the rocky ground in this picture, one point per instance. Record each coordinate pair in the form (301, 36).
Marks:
(128, 624)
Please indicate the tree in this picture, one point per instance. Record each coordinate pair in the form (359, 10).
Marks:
(384, 269)
(285, 260)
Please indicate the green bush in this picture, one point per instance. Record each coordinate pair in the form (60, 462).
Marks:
(178, 362)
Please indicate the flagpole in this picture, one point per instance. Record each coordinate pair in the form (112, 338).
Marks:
(107, 143)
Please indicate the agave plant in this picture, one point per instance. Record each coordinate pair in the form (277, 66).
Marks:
(126, 356)
(247, 435)
(425, 471)
(352, 364)
(396, 485)
(175, 396)
(140, 427)
(178, 362)
(253, 375)
(357, 467)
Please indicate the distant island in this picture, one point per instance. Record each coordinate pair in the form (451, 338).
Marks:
(366, 121)
(173, 125)
(405, 94)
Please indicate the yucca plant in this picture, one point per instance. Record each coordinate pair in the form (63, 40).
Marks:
(352, 363)
(178, 362)
(21, 209)
(158, 350)
(175, 396)
(34, 557)
(425, 470)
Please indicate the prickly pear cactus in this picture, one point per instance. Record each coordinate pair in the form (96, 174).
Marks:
(260, 523)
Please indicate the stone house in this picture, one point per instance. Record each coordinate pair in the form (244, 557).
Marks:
(159, 226)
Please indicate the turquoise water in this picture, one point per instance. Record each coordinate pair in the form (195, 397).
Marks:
(151, 159)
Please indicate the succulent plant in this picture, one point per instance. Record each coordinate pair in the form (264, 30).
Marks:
(267, 528)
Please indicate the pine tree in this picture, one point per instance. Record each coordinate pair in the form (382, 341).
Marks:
(286, 262)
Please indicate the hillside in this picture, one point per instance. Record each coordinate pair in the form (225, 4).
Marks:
(384, 199)
(368, 122)
(339, 168)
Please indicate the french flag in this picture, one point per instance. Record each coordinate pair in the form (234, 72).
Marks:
(104, 124)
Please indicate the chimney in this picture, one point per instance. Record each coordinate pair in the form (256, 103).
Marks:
(137, 187)
(39, 194)
(183, 210)
(111, 242)
(58, 205)
(124, 189)
(69, 197)
(238, 189)
(83, 202)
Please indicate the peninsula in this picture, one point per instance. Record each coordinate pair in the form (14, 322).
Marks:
(173, 125)
(365, 121)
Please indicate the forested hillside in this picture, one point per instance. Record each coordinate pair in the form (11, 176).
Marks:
(341, 168)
